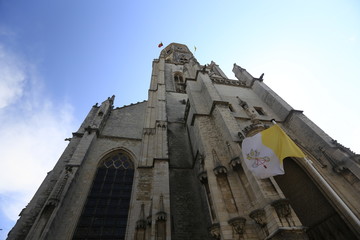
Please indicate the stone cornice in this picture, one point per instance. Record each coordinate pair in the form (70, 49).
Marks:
(343, 148)
(197, 115)
(229, 82)
(215, 103)
(291, 113)
(118, 138)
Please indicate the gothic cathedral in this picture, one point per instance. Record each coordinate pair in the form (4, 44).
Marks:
(171, 167)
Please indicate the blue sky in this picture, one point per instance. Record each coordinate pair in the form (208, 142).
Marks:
(58, 58)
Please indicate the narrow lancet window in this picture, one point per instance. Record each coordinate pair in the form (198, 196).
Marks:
(179, 83)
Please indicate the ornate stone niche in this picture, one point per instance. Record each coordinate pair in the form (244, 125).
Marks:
(283, 210)
(259, 217)
(238, 224)
(282, 207)
(141, 224)
(161, 216)
(215, 231)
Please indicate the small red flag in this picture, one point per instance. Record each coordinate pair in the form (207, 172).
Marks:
(160, 44)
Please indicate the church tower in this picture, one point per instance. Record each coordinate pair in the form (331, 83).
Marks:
(171, 167)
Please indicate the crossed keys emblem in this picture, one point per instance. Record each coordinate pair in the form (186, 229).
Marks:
(258, 161)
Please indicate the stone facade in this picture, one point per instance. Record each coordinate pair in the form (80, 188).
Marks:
(189, 180)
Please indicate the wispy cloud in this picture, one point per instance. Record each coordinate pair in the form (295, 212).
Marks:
(32, 132)
(12, 78)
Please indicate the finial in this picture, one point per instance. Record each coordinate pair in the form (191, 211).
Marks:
(142, 212)
(149, 217)
(161, 203)
(161, 214)
(111, 100)
(219, 168)
(201, 163)
(141, 223)
(232, 154)
(204, 69)
(216, 158)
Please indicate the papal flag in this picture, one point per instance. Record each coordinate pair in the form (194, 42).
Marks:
(264, 152)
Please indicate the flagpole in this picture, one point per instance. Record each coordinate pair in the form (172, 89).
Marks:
(338, 200)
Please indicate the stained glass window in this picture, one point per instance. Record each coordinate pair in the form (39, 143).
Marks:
(105, 213)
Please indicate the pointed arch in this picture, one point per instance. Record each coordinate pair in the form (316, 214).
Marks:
(112, 151)
(312, 207)
(179, 82)
(105, 212)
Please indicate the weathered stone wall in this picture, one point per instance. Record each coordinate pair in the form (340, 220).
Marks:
(126, 122)
(189, 210)
(189, 213)
(121, 138)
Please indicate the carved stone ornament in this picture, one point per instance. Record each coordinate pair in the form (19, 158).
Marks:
(202, 177)
(259, 217)
(242, 103)
(220, 170)
(202, 172)
(149, 220)
(56, 193)
(342, 147)
(241, 137)
(220, 80)
(141, 224)
(215, 231)
(338, 166)
(254, 128)
(52, 202)
(89, 129)
(282, 207)
(161, 215)
(149, 131)
(161, 124)
(238, 224)
(235, 163)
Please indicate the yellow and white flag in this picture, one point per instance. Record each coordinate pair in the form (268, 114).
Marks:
(264, 152)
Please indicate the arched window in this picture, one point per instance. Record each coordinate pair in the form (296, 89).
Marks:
(179, 83)
(105, 213)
